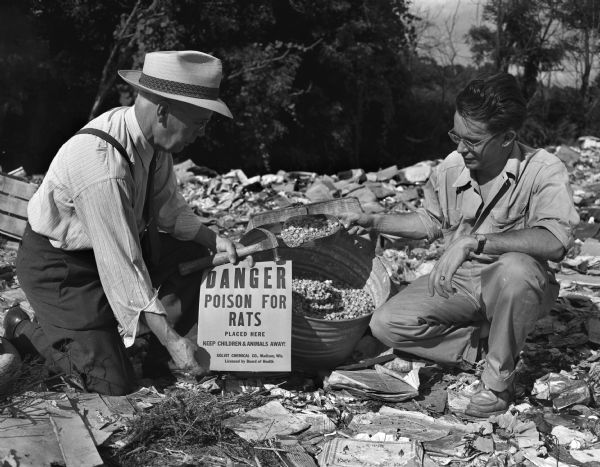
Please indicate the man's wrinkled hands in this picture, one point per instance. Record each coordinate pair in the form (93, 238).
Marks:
(355, 223)
(227, 246)
(440, 279)
(186, 356)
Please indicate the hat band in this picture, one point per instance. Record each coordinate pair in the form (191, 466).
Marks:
(181, 89)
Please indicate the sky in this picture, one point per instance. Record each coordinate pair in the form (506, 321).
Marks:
(440, 12)
(468, 13)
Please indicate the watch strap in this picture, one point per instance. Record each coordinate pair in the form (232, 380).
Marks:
(481, 239)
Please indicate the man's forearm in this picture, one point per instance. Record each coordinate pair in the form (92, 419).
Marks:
(537, 242)
(407, 225)
(206, 237)
(183, 351)
(160, 327)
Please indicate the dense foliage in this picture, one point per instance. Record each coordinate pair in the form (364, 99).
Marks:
(320, 86)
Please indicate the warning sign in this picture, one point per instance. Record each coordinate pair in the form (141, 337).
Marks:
(245, 317)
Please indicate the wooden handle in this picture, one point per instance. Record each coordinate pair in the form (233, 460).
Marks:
(220, 258)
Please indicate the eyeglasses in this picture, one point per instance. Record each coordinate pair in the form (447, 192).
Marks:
(470, 145)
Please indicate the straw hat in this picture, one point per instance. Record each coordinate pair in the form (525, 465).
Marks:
(186, 76)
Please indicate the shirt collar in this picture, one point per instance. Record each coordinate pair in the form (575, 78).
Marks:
(511, 168)
(141, 144)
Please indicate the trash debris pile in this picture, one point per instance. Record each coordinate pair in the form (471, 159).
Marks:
(380, 408)
(226, 202)
(392, 409)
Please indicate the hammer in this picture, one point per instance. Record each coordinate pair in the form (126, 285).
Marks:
(269, 243)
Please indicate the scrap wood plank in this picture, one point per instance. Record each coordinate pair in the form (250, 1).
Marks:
(13, 205)
(12, 226)
(34, 405)
(14, 196)
(29, 442)
(120, 405)
(97, 416)
(294, 454)
(74, 438)
(14, 186)
(580, 279)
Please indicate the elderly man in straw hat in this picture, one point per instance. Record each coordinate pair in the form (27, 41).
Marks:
(92, 262)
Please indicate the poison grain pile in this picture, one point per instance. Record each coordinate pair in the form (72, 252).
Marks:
(326, 299)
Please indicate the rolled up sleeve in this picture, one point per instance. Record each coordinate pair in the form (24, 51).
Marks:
(552, 205)
(431, 214)
(123, 274)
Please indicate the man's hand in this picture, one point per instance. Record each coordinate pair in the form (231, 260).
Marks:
(225, 245)
(186, 357)
(356, 223)
(440, 279)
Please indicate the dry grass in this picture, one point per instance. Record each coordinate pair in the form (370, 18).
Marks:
(29, 377)
(186, 429)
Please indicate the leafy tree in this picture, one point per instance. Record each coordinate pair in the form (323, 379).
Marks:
(581, 21)
(55, 53)
(148, 26)
(355, 79)
(313, 85)
(521, 33)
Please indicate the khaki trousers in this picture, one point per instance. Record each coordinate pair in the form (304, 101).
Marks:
(509, 296)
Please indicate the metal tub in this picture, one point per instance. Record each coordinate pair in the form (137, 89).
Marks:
(319, 344)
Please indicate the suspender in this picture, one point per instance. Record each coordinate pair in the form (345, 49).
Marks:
(119, 147)
(149, 241)
(486, 212)
(503, 189)
(109, 139)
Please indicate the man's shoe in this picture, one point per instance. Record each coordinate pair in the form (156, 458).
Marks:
(14, 316)
(486, 402)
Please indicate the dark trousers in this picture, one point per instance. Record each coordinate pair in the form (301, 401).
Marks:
(75, 329)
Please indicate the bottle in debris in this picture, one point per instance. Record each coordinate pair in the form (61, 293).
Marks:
(576, 393)
(550, 386)
(401, 365)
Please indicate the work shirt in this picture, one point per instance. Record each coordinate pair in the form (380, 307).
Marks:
(89, 200)
(539, 195)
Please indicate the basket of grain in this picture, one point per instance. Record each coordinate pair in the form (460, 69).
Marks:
(337, 283)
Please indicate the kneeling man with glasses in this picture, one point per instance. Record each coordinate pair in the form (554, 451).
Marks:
(503, 210)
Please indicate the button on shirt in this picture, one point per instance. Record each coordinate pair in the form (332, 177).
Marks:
(539, 195)
(89, 200)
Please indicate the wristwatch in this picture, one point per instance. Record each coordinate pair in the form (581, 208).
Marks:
(481, 239)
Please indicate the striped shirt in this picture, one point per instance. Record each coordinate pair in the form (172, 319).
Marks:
(89, 200)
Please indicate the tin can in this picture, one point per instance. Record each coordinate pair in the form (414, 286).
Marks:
(551, 385)
(576, 393)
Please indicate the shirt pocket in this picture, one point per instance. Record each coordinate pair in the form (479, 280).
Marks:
(452, 220)
(508, 217)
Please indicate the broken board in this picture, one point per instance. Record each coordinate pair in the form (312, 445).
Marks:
(14, 197)
(579, 279)
(52, 433)
(29, 443)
